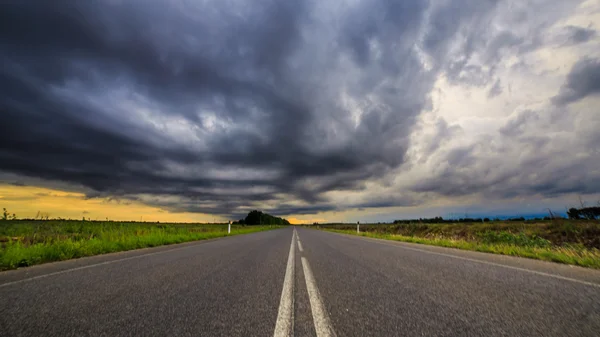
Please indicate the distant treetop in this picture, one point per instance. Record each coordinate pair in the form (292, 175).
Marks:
(259, 218)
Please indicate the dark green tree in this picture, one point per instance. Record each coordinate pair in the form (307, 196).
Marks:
(259, 218)
(573, 213)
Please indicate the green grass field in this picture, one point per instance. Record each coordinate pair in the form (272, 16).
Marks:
(563, 241)
(25, 242)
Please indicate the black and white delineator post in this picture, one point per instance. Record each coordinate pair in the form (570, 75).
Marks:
(229, 227)
(358, 227)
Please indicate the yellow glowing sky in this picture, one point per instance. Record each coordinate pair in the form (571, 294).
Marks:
(26, 201)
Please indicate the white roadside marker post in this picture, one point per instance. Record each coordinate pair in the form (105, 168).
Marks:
(229, 228)
(358, 227)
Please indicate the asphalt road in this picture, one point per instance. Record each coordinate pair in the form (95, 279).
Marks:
(300, 282)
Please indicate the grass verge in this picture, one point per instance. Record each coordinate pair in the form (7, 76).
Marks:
(568, 254)
(26, 243)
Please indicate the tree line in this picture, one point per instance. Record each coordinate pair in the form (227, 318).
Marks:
(259, 218)
(439, 219)
(589, 213)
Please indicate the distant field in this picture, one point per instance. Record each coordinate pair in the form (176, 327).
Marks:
(574, 242)
(27, 242)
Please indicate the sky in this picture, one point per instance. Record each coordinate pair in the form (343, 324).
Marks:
(315, 110)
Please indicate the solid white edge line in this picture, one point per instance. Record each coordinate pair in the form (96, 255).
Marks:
(399, 245)
(285, 316)
(321, 321)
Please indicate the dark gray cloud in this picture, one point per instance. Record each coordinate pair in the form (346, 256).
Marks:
(517, 126)
(495, 90)
(577, 35)
(224, 106)
(493, 180)
(466, 19)
(91, 90)
(546, 153)
(583, 80)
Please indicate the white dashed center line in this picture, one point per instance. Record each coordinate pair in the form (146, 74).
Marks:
(320, 318)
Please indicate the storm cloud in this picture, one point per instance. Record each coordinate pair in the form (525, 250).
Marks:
(295, 107)
(583, 80)
(580, 34)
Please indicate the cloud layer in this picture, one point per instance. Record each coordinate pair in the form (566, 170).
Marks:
(297, 107)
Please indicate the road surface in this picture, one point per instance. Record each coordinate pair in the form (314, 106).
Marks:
(300, 282)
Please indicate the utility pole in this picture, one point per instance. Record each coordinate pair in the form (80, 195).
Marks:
(229, 228)
(358, 227)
